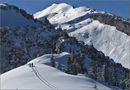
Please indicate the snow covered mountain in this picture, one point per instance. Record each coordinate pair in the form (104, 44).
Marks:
(21, 43)
(41, 76)
(106, 32)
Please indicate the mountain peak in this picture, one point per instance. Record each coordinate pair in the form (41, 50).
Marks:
(62, 7)
(61, 4)
(63, 11)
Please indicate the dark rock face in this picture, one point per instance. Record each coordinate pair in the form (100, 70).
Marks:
(118, 22)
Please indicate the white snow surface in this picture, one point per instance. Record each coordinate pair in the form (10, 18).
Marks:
(45, 77)
(63, 11)
(105, 38)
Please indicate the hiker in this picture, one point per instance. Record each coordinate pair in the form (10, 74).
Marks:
(31, 65)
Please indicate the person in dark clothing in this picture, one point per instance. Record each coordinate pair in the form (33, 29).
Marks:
(31, 65)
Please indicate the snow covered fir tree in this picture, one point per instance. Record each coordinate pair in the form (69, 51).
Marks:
(55, 50)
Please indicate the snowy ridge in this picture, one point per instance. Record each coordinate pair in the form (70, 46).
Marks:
(78, 23)
(12, 16)
(64, 11)
(2, 4)
(45, 77)
(53, 9)
(46, 58)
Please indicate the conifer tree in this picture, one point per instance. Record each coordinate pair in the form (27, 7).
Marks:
(68, 65)
(106, 72)
(59, 66)
(53, 64)
(93, 70)
(74, 69)
(113, 75)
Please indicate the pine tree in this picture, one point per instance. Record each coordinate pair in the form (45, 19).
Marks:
(60, 48)
(126, 81)
(59, 66)
(68, 65)
(71, 67)
(81, 63)
(105, 72)
(74, 69)
(53, 47)
(93, 70)
(53, 64)
(113, 75)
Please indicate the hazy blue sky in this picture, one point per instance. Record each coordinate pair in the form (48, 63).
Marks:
(117, 7)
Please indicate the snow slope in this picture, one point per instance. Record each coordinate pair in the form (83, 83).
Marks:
(45, 77)
(107, 39)
(76, 21)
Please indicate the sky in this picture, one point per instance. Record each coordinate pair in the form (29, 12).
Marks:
(117, 7)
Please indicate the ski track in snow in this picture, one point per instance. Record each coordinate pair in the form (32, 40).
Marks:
(42, 79)
(45, 77)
